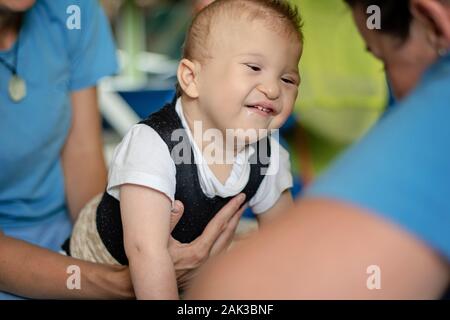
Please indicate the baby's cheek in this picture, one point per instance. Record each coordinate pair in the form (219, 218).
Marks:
(287, 111)
(290, 102)
(278, 122)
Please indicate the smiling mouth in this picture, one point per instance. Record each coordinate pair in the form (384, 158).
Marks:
(261, 109)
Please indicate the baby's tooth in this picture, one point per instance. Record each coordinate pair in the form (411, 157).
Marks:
(262, 109)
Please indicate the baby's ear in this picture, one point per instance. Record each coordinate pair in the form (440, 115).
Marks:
(186, 74)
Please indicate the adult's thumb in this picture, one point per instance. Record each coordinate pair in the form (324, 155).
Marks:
(176, 213)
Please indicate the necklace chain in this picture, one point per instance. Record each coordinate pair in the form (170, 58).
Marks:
(17, 88)
(11, 68)
(15, 21)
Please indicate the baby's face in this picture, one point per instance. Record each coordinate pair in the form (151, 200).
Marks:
(251, 80)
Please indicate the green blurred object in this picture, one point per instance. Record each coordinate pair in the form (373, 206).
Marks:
(343, 90)
(132, 38)
(166, 26)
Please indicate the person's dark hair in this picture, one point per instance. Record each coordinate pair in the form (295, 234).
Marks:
(280, 14)
(395, 15)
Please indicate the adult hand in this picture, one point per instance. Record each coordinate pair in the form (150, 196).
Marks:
(217, 236)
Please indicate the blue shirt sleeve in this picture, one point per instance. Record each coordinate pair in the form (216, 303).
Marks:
(92, 52)
(401, 169)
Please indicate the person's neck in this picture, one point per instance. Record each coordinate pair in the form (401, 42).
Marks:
(9, 28)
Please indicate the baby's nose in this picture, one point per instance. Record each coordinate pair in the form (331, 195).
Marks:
(270, 89)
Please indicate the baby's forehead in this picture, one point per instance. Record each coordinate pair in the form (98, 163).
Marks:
(246, 20)
(235, 21)
(242, 29)
(251, 36)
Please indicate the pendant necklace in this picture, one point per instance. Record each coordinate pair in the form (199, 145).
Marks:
(17, 88)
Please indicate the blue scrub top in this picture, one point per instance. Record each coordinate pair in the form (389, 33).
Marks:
(54, 61)
(401, 169)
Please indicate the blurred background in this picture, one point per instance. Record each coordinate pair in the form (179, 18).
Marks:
(343, 91)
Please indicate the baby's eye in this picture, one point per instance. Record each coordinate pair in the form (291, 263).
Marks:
(253, 67)
(287, 80)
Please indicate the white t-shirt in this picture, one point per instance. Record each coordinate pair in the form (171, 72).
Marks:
(143, 158)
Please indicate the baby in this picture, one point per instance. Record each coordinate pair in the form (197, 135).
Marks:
(237, 81)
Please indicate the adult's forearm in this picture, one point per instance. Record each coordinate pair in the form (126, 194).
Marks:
(322, 249)
(33, 272)
(82, 156)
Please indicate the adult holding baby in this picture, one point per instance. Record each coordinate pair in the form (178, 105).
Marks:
(51, 152)
(382, 209)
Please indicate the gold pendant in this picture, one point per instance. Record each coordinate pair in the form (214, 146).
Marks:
(17, 88)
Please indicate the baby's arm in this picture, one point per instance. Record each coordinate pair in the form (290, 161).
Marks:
(282, 205)
(273, 197)
(146, 226)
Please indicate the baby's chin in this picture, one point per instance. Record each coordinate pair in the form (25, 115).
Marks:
(250, 136)
(248, 132)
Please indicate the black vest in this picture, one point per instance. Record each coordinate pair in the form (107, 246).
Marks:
(198, 208)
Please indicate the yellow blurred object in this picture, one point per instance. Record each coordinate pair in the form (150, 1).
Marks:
(343, 90)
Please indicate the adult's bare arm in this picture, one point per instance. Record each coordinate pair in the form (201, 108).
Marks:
(30, 271)
(321, 249)
(34, 272)
(82, 156)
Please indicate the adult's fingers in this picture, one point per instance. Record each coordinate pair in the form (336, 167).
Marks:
(226, 237)
(218, 224)
(176, 213)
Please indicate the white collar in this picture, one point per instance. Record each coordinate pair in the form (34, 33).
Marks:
(210, 185)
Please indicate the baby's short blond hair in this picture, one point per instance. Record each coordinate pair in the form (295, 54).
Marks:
(278, 14)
